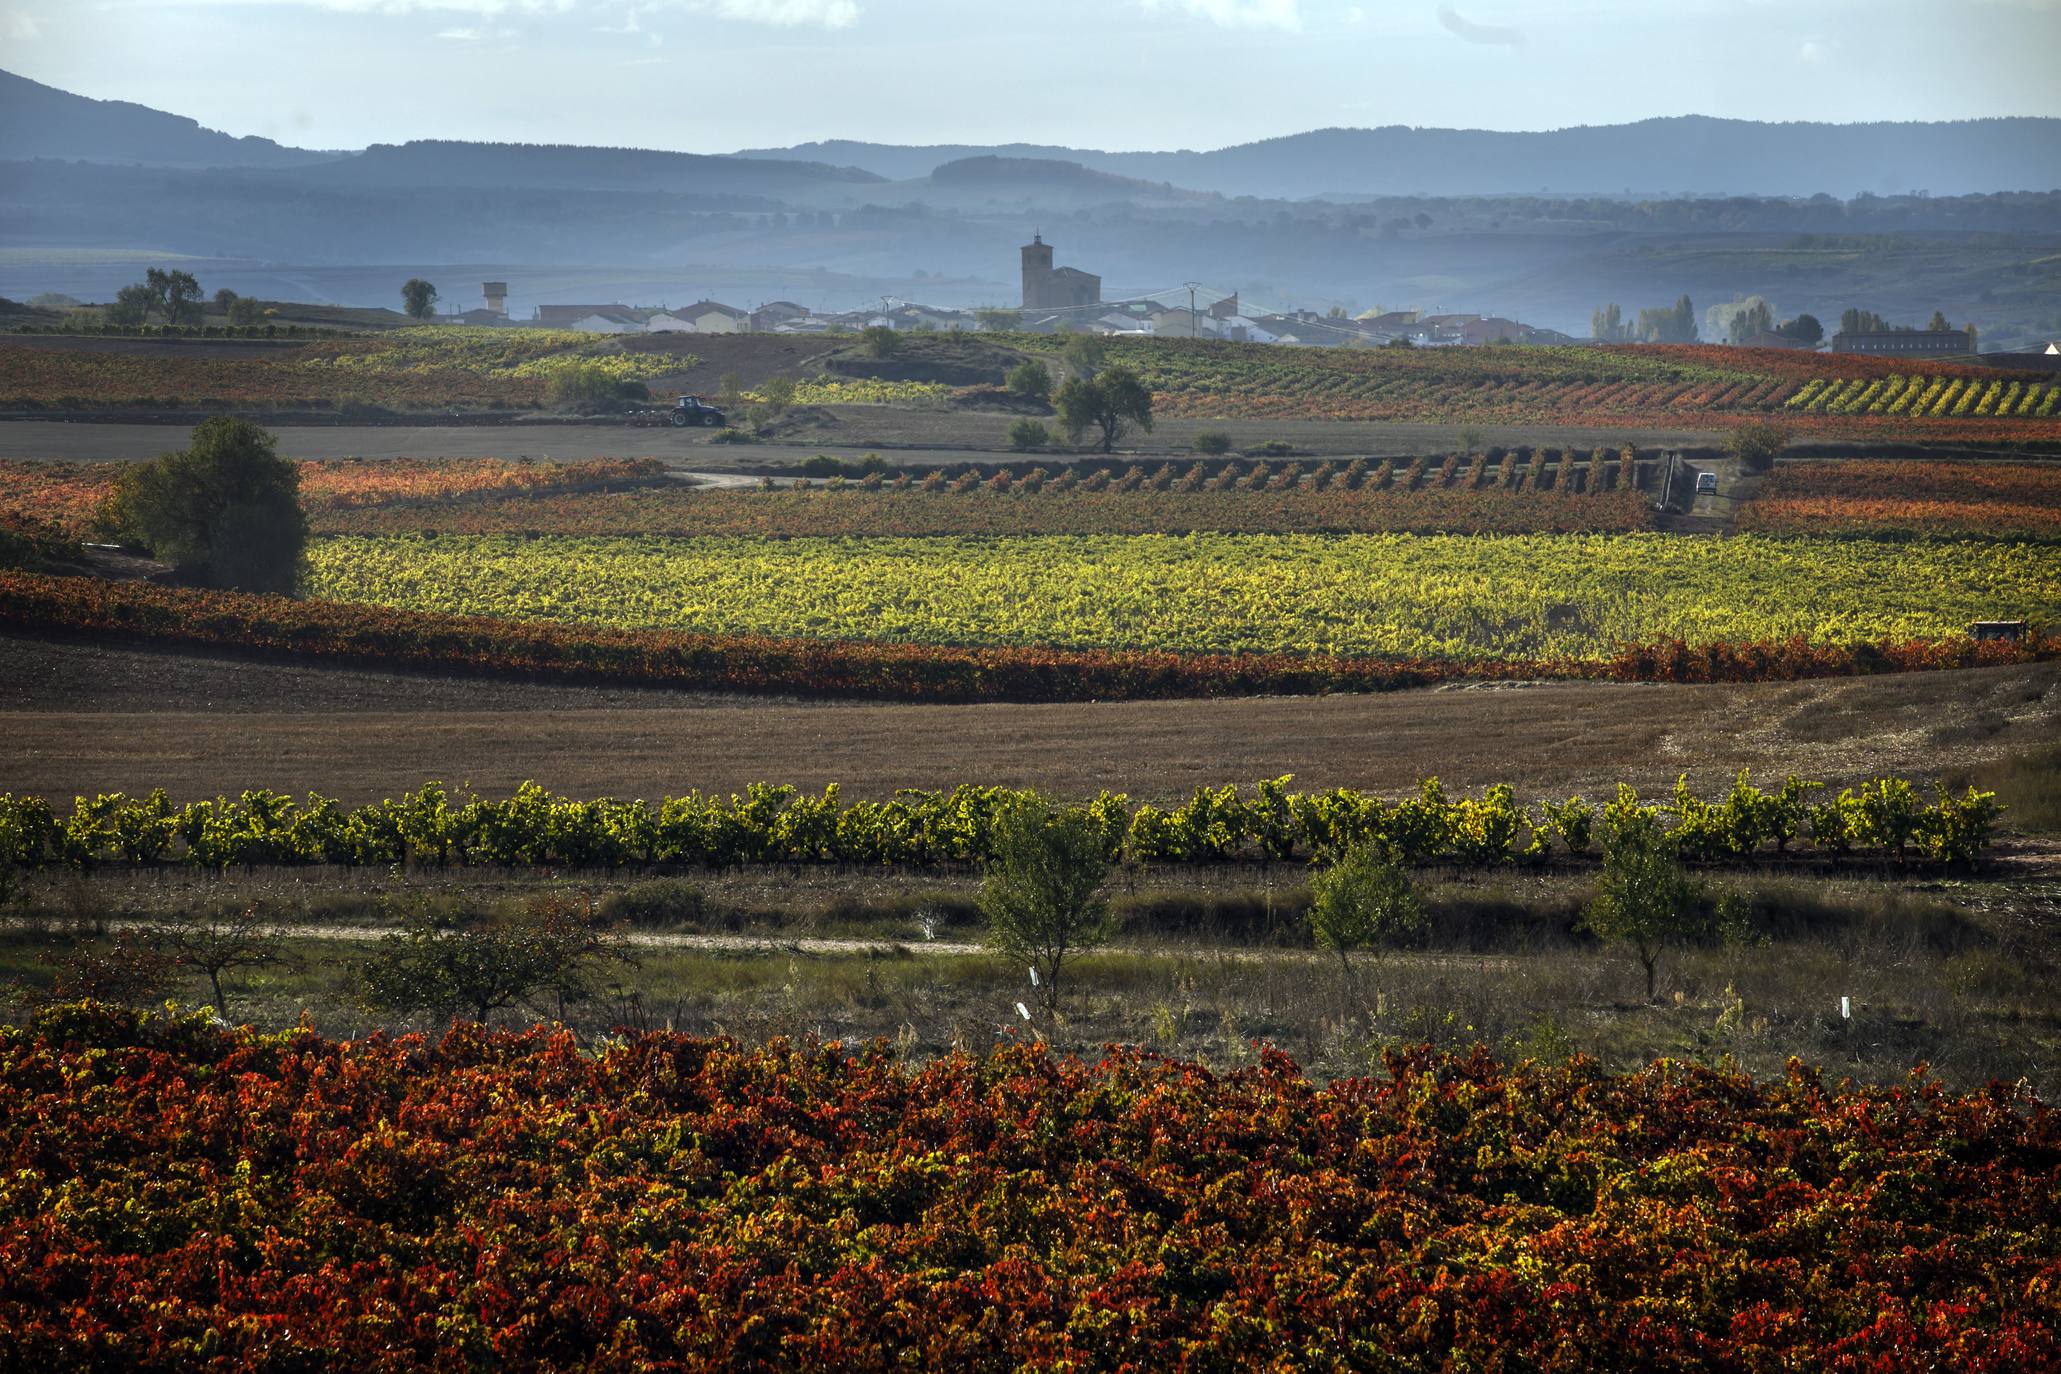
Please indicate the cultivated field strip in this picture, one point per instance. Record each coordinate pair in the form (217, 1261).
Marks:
(1456, 598)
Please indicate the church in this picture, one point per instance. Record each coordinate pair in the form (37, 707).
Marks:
(1047, 288)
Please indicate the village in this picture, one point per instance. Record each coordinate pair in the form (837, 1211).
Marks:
(1059, 299)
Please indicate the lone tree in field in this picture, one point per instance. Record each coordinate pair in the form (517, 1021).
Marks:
(1111, 403)
(1039, 895)
(177, 295)
(476, 966)
(1643, 899)
(1757, 443)
(418, 298)
(1031, 379)
(1364, 901)
(880, 341)
(226, 509)
(218, 941)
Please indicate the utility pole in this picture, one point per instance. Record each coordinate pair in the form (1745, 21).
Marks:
(1191, 306)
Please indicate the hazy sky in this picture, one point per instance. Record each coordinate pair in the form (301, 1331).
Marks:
(716, 75)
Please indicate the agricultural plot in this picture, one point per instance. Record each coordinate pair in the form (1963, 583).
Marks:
(1451, 598)
(66, 496)
(1663, 386)
(1516, 494)
(1887, 499)
(432, 369)
(673, 1201)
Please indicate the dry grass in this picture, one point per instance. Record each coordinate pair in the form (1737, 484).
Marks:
(1957, 975)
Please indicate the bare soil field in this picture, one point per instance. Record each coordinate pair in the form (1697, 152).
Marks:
(82, 717)
(192, 348)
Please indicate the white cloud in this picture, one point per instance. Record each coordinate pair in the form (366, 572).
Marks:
(20, 27)
(460, 35)
(1285, 15)
(786, 14)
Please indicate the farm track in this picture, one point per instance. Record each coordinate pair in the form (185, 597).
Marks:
(844, 947)
(79, 717)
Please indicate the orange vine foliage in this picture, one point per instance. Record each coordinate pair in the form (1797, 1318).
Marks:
(1886, 497)
(180, 1196)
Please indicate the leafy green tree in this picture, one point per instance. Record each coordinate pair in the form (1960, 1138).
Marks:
(1085, 354)
(584, 387)
(1110, 403)
(1608, 325)
(1040, 893)
(1032, 379)
(1938, 323)
(1757, 443)
(1029, 434)
(470, 965)
(418, 298)
(1669, 324)
(225, 508)
(879, 341)
(1364, 901)
(132, 305)
(1643, 899)
(177, 294)
(1804, 329)
(1853, 321)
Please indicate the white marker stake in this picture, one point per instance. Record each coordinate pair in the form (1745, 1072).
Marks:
(1034, 975)
(1845, 1010)
(1023, 1011)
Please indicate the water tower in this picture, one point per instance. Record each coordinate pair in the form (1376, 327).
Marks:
(496, 293)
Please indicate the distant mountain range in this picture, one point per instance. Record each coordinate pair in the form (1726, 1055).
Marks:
(1455, 220)
(1688, 155)
(42, 121)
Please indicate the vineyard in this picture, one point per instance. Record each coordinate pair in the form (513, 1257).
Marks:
(1886, 499)
(1646, 385)
(662, 1201)
(1887, 818)
(1516, 494)
(68, 495)
(1460, 598)
(315, 631)
(1653, 386)
(429, 368)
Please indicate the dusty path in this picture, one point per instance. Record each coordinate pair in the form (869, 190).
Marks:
(828, 947)
(80, 717)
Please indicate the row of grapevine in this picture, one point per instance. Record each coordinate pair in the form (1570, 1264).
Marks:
(778, 824)
(1928, 396)
(1519, 469)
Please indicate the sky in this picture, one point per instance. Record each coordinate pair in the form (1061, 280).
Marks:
(719, 75)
